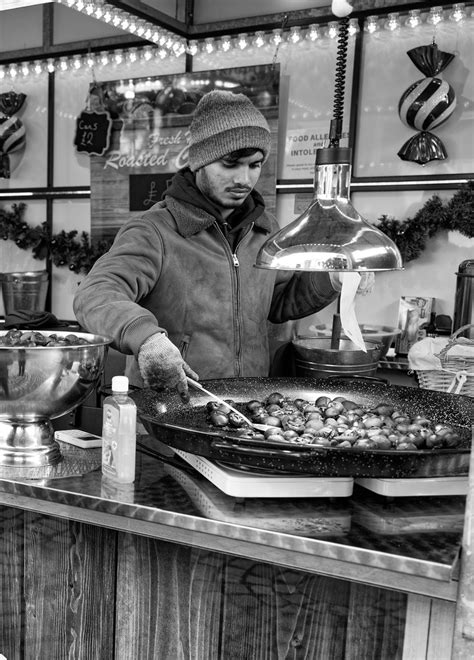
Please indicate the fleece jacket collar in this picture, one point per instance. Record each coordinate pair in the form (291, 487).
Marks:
(194, 213)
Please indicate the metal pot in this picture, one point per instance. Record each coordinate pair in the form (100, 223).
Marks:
(314, 357)
(185, 427)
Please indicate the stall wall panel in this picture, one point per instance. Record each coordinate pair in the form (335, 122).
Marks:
(386, 72)
(28, 164)
(71, 97)
(71, 25)
(21, 28)
(205, 10)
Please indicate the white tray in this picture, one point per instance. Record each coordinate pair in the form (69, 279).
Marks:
(312, 518)
(416, 487)
(250, 484)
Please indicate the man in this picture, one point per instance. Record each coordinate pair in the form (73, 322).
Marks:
(178, 289)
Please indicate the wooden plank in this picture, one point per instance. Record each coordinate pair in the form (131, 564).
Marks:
(376, 623)
(271, 612)
(11, 583)
(168, 600)
(69, 578)
(441, 632)
(417, 627)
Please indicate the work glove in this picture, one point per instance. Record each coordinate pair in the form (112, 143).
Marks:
(366, 284)
(162, 366)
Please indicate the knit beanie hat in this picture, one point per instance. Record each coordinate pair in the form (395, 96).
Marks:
(224, 122)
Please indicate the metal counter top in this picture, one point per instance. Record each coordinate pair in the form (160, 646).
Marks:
(406, 544)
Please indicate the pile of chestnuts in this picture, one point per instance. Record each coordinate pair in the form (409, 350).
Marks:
(29, 338)
(334, 422)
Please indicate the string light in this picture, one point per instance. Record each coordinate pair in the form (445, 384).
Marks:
(37, 67)
(295, 35)
(414, 18)
(277, 36)
(192, 48)
(166, 43)
(225, 43)
(458, 12)
(372, 24)
(242, 41)
(259, 40)
(76, 62)
(313, 33)
(353, 26)
(393, 22)
(209, 45)
(13, 71)
(435, 16)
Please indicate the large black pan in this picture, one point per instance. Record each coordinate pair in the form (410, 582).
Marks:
(185, 427)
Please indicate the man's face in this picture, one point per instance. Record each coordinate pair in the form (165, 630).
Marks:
(228, 183)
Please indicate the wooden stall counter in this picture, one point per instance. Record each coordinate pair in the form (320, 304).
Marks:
(172, 567)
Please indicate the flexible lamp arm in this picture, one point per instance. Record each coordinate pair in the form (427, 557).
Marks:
(335, 129)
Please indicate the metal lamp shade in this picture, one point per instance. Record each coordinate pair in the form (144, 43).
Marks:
(330, 234)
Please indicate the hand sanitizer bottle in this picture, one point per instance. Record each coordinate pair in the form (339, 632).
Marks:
(119, 433)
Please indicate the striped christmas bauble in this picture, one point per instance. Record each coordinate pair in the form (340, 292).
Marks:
(12, 134)
(427, 103)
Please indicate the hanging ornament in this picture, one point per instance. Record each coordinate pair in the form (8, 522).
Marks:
(426, 104)
(12, 130)
(93, 125)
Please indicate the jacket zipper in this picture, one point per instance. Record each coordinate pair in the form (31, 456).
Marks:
(236, 285)
(239, 306)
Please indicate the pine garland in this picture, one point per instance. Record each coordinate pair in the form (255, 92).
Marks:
(64, 248)
(410, 235)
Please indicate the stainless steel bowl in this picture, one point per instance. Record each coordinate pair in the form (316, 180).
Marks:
(40, 383)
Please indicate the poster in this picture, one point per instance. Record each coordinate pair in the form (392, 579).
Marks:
(149, 137)
(301, 146)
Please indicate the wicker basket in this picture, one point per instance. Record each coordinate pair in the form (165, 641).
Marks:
(457, 372)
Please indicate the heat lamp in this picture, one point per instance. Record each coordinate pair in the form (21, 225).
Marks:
(331, 235)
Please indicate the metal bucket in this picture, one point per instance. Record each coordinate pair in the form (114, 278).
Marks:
(315, 358)
(24, 290)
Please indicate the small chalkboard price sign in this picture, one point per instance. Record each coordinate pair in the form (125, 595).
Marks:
(93, 132)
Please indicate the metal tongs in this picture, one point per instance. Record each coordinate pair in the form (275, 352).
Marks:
(197, 386)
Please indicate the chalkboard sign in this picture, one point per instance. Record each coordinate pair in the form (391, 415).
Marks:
(147, 189)
(93, 132)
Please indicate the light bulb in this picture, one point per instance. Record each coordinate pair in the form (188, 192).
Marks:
(242, 41)
(313, 33)
(209, 45)
(392, 23)
(259, 40)
(192, 48)
(372, 24)
(435, 16)
(277, 37)
(295, 34)
(458, 12)
(332, 29)
(353, 26)
(414, 18)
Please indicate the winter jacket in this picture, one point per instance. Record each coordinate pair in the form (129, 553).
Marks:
(173, 269)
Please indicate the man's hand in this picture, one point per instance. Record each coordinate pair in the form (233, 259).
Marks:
(161, 365)
(366, 284)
